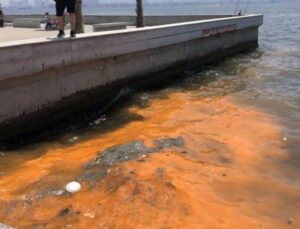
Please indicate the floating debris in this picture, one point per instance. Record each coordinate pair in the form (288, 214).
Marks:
(3, 226)
(73, 139)
(291, 220)
(73, 187)
(142, 158)
(58, 192)
(89, 215)
(102, 119)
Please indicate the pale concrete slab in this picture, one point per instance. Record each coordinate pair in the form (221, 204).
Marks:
(9, 33)
(27, 23)
(110, 26)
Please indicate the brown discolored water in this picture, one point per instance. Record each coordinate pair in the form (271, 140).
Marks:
(218, 149)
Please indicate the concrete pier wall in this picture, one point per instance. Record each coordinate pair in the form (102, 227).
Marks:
(41, 74)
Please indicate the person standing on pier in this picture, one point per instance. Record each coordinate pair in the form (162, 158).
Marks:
(61, 5)
(1, 17)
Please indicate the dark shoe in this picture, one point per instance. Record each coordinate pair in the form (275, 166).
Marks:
(72, 33)
(61, 34)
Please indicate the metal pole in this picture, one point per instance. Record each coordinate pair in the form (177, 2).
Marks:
(246, 7)
(237, 5)
(139, 14)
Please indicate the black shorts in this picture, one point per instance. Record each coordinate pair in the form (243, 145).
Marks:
(61, 5)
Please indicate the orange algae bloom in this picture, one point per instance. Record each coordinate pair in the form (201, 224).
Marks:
(228, 172)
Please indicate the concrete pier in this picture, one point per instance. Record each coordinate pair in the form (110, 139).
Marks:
(149, 20)
(43, 81)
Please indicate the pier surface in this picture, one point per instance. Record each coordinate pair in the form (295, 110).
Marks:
(9, 33)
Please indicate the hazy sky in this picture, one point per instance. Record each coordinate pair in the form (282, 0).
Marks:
(5, 2)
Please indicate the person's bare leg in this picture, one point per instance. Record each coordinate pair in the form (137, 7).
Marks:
(73, 24)
(60, 23)
(73, 21)
(60, 26)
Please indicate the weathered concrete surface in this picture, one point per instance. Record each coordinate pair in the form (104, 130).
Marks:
(9, 33)
(43, 74)
(27, 22)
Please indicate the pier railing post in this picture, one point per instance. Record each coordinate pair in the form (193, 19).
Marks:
(139, 14)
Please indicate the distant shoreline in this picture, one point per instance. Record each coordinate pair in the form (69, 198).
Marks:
(87, 6)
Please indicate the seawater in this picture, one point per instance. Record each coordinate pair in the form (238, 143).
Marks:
(238, 164)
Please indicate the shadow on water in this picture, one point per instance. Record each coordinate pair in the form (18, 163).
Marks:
(113, 117)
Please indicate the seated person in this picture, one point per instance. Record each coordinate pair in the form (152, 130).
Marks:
(48, 24)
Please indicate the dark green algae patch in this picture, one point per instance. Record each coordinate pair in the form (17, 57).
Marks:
(98, 168)
(132, 150)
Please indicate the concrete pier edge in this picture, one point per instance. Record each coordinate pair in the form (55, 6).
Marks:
(80, 76)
